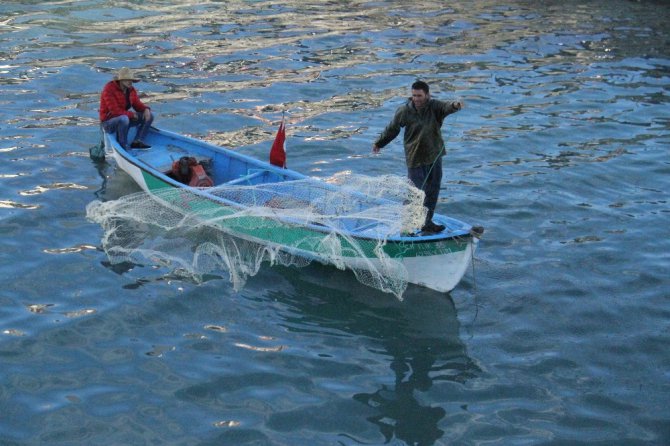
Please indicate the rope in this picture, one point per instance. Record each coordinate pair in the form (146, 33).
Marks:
(472, 260)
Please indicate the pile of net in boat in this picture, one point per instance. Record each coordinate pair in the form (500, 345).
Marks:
(344, 220)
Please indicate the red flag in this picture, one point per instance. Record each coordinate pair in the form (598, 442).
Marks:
(278, 151)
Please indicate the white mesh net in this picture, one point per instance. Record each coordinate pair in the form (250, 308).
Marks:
(290, 223)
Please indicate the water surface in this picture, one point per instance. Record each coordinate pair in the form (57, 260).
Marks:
(557, 336)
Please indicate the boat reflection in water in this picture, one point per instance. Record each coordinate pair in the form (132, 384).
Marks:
(417, 339)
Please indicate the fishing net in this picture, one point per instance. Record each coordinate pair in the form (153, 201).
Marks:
(291, 223)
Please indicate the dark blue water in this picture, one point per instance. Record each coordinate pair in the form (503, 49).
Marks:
(559, 335)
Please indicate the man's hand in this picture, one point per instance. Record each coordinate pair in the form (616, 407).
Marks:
(457, 105)
(375, 148)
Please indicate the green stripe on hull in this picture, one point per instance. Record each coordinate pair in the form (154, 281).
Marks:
(294, 237)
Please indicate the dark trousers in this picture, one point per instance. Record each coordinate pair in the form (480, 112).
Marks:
(428, 178)
(121, 124)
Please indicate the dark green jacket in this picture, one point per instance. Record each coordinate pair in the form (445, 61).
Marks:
(423, 131)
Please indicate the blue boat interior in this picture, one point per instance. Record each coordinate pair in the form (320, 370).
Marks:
(221, 166)
(227, 167)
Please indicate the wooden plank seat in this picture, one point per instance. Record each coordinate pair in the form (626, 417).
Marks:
(251, 174)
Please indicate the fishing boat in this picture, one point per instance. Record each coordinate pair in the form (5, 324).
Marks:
(202, 173)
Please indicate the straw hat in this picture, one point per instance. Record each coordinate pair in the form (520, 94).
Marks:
(125, 74)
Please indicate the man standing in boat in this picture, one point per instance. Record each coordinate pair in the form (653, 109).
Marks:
(121, 108)
(422, 118)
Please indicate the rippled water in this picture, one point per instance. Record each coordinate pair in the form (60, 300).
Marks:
(558, 336)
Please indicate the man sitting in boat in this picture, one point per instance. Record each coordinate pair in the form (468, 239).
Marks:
(422, 118)
(121, 108)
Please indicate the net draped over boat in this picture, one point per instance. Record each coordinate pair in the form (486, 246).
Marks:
(289, 223)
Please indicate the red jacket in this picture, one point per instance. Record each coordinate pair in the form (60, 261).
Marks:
(113, 102)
